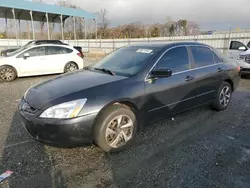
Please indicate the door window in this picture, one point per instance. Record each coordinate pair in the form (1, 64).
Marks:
(53, 50)
(37, 51)
(175, 59)
(217, 59)
(235, 45)
(203, 56)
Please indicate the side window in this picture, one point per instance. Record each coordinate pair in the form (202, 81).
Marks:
(53, 50)
(217, 59)
(248, 44)
(175, 59)
(203, 56)
(37, 51)
(235, 45)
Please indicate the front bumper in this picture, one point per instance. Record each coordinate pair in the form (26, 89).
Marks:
(60, 132)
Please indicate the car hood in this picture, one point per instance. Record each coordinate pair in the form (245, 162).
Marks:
(40, 95)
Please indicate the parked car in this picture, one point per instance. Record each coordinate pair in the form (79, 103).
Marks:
(111, 100)
(240, 52)
(39, 60)
(39, 42)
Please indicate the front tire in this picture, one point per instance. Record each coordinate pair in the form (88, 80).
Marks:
(223, 97)
(7, 73)
(115, 128)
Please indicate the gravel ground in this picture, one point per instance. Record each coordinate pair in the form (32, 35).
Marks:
(199, 148)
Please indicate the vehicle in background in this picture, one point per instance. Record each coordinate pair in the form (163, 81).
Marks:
(7, 51)
(241, 53)
(39, 42)
(40, 60)
(134, 85)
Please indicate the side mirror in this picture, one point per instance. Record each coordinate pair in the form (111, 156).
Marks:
(26, 55)
(242, 48)
(161, 73)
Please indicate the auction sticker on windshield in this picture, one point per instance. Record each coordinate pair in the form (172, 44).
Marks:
(146, 51)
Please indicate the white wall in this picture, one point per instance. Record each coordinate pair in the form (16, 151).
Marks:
(219, 41)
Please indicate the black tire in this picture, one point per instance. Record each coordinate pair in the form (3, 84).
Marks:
(219, 103)
(70, 67)
(105, 120)
(7, 73)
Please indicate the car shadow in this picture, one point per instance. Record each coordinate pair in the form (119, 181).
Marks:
(32, 166)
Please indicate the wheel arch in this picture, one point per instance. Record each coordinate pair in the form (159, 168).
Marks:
(230, 82)
(128, 103)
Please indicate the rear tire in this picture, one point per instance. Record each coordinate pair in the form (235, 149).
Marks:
(115, 128)
(70, 67)
(7, 73)
(223, 97)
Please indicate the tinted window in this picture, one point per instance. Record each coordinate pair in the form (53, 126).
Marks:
(127, 61)
(216, 58)
(248, 44)
(202, 56)
(175, 59)
(37, 51)
(52, 50)
(235, 45)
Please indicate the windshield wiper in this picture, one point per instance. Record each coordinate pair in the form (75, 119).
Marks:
(107, 71)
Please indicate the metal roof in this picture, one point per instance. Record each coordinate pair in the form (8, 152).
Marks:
(22, 8)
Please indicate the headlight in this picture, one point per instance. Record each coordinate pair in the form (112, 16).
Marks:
(65, 110)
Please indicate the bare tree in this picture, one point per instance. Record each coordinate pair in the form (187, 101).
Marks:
(103, 22)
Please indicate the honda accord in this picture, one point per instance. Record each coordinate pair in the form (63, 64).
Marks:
(107, 103)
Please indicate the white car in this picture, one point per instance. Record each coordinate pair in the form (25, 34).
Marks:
(40, 60)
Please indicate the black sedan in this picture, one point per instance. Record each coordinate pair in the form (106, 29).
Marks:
(109, 102)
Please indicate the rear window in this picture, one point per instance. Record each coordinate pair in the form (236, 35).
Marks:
(203, 56)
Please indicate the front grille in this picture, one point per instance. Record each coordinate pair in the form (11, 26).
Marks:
(242, 57)
(247, 59)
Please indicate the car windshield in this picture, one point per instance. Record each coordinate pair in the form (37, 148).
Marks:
(126, 61)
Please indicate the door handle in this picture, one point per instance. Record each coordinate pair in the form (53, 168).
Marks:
(220, 69)
(189, 78)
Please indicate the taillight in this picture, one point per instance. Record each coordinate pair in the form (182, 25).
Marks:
(238, 69)
(79, 54)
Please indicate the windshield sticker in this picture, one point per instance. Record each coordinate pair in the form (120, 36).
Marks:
(145, 51)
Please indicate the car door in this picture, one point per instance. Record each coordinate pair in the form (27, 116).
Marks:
(57, 56)
(234, 52)
(167, 96)
(208, 69)
(34, 63)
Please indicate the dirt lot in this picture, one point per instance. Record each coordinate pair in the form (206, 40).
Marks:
(199, 148)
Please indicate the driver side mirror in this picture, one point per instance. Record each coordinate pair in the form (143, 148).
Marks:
(26, 55)
(242, 48)
(161, 73)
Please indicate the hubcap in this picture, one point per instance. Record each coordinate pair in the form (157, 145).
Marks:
(225, 95)
(7, 74)
(119, 131)
(71, 67)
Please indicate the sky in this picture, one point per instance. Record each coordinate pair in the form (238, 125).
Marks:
(209, 14)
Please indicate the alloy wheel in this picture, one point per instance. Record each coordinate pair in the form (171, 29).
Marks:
(7, 74)
(225, 96)
(71, 67)
(119, 131)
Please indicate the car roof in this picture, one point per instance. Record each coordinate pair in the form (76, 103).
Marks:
(59, 45)
(165, 44)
